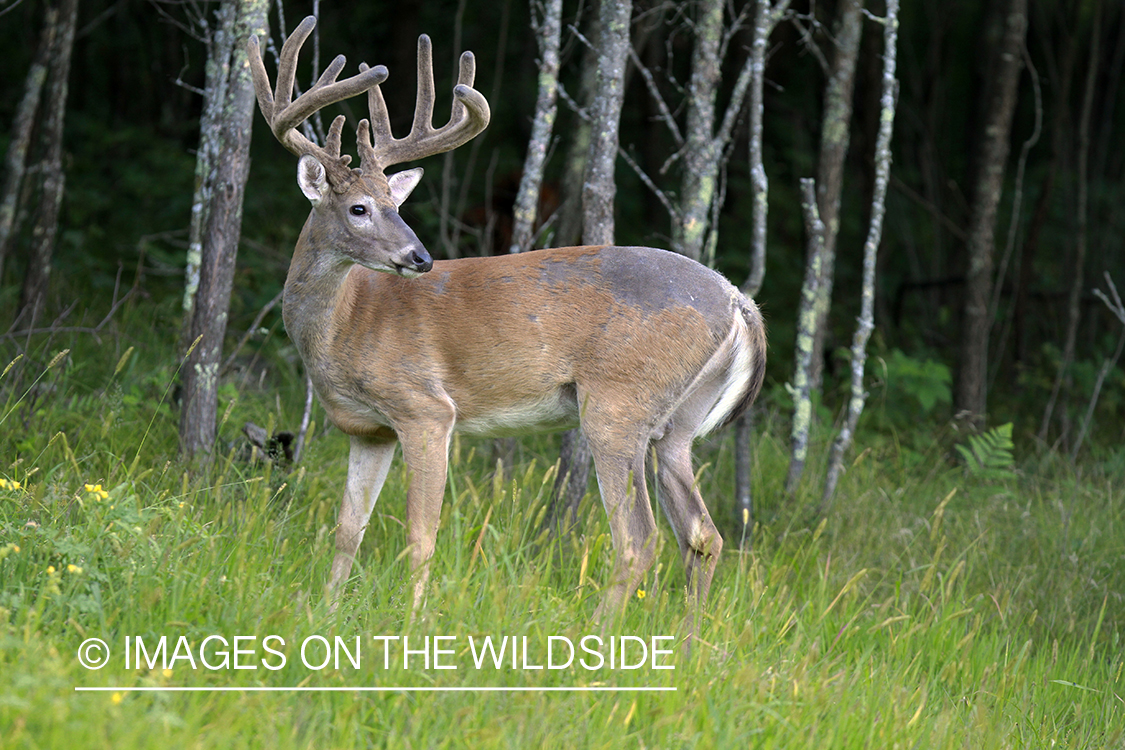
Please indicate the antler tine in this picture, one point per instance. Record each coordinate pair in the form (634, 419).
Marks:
(466, 74)
(470, 115)
(287, 64)
(380, 118)
(285, 115)
(424, 101)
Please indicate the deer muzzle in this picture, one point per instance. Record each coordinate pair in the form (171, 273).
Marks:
(414, 261)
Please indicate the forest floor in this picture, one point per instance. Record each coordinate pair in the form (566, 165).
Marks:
(933, 607)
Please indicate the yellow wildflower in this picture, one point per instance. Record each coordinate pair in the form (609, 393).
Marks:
(117, 698)
(641, 593)
(50, 570)
(97, 491)
(73, 569)
(9, 484)
(167, 672)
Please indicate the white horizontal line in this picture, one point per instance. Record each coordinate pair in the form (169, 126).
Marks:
(369, 689)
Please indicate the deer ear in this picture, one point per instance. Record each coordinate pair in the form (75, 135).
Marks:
(403, 184)
(312, 179)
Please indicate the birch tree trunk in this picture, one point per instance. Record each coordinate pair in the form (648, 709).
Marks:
(46, 226)
(597, 220)
(547, 30)
(226, 141)
(766, 17)
(972, 397)
(15, 161)
(821, 226)
(800, 387)
(866, 321)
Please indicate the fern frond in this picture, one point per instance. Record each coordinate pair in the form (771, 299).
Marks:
(990, 454)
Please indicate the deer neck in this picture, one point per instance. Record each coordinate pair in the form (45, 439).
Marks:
(316, 287)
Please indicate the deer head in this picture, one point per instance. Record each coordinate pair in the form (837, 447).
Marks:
(355, 211)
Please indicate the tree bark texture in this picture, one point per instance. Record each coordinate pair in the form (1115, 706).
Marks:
(524, 216)
(45, 229)
(972, 397)
(228, 140)
(766, 16)
(866, 322)
(701, 153)
(834, 141)
(605, 112)
(15, 161)
(799, 389)
(569, 229)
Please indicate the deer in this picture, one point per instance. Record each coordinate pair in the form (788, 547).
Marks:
(644, 349)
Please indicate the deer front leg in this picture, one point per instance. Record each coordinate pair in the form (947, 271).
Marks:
(425, 448)
(368, 464)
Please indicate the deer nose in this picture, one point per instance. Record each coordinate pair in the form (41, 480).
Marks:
(420, 260)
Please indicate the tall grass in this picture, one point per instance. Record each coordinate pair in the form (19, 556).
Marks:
(931, 609)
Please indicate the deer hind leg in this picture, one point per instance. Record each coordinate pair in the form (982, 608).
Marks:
(425, 448)
(368, 465)
(619, 458)
(699, 540)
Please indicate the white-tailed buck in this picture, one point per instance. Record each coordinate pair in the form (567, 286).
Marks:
(640, 347)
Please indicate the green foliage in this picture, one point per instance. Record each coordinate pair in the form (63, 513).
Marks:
(989, 454)
(913, 382)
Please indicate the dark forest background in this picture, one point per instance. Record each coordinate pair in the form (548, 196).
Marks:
(132, 126)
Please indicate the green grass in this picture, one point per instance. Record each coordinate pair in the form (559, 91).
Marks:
(932, 609)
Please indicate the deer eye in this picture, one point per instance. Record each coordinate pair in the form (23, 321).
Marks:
(358, 210)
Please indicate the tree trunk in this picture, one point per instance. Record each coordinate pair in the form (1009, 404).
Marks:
(821, 226)
(834, 141)
(569, 229)
(227, 140)
(45, 230)
(766, 16)
(701, 155)
(866, 321)
(597, 220)
(806, 323)
(972, 397)
(15, 162)
(605, 112)
(546, 107)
